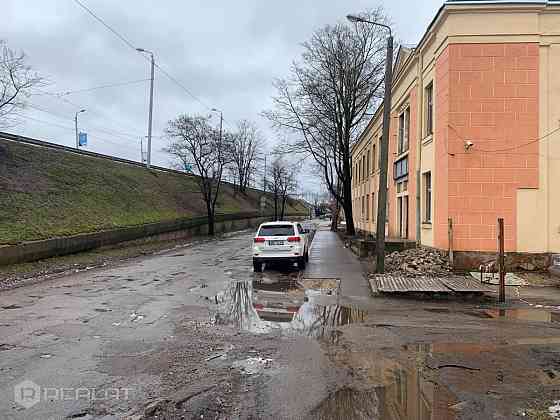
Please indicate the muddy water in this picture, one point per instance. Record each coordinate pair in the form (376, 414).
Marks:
(400, 391)
(291, 305)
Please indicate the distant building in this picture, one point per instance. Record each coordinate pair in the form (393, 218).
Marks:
(475, 132)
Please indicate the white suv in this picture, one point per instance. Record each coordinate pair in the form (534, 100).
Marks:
(280, 241)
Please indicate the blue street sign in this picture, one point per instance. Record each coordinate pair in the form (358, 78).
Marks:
(82, 139)
(188, 167)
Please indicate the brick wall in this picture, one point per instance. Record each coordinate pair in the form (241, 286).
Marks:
(441, 174)
(493, 102)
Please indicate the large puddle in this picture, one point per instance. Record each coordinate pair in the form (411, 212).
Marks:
(399, 393)
(290, 305)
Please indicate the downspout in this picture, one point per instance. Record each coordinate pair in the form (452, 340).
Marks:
(419, 114)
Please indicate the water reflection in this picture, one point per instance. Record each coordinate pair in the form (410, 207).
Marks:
(525, 314)
(402, 393)
(288, 306)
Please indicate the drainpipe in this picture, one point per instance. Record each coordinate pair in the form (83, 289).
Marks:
(419, 114)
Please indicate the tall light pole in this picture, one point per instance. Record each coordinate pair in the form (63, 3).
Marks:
(384, 164)
(149, 152)
(76, 126)
(221, 128)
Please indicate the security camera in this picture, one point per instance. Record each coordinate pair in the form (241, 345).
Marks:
(468, 145)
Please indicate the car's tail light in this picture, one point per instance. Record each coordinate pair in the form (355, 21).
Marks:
(258, 240)
(294, 239)
(258, 306)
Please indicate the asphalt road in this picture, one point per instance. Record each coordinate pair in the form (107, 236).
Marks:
(194, 332)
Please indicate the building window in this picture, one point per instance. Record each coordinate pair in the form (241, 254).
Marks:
(360, 170)
(367, 207)
(373, 162)
(429, 95)
(401, 168)
(372, 206)
(368, 159)
(428, 197)
(363, 167)
(404, 131)
(363, 209)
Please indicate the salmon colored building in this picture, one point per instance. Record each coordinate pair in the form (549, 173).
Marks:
(475, 132)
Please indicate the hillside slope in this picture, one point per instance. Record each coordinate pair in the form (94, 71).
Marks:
(46, 193)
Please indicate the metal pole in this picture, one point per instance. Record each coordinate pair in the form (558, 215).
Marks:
(450, 239)
(141, 149)
(382, 193)
(149, 153)
(501, 261)
(264, 175)
(76, 126)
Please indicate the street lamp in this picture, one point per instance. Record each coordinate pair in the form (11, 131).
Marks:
(150, 112)
(76, 126)
(382, 193)
(221, 126)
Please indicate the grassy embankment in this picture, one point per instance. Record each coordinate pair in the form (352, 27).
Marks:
(46, 193)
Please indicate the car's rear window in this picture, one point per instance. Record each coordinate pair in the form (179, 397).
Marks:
(277, 230)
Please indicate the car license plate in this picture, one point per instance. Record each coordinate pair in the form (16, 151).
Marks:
(276, 242)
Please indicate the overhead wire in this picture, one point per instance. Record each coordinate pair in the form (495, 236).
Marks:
(131, 46)
(26, 117)
(94, 128)
(106, 86)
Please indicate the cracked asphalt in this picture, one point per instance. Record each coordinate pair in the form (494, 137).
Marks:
(193, 333)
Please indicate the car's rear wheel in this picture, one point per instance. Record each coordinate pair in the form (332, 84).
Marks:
(257, 266)
(301, 263)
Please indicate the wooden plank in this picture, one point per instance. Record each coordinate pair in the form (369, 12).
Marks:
(465, 284)
(390, 284)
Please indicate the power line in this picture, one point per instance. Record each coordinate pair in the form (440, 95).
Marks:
(63, 127)
(122, 38)
(111, 132)
(509, 148)
(131, 45)
(70, 92)
(66, 100)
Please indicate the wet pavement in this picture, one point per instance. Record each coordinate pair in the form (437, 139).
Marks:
(194, 333)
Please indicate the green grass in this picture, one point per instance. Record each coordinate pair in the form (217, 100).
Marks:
(46, 193)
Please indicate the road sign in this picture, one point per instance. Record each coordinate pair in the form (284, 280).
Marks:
(82, 139)
(188, 167)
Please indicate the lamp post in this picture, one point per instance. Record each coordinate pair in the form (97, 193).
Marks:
(76, 126)
(152, 62)
(382, 193)
(220, 149)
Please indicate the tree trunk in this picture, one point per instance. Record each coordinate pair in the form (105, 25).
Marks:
(334, 217)
(210, 219)
(347, 206)
(275, 207)
(283, 208)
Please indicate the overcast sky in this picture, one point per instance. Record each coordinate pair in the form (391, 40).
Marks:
(226, 53)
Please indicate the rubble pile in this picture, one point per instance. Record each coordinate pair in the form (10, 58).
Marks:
(417, 262)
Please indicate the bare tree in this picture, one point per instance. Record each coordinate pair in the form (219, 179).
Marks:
(246, 145)
(16, 81)
(327, 97)
(281, 184)
(193, 141)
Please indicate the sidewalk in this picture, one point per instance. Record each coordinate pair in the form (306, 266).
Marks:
(328, 258)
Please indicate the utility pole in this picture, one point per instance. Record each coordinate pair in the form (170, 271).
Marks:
(384, 153)
(150, 112)
(264, 175)
(76, 127)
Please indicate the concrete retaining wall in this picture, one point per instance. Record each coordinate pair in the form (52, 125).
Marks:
(175, 229)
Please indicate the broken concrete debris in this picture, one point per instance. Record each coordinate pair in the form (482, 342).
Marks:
(417, 262)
